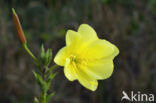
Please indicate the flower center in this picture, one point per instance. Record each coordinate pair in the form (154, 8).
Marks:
(72, 58)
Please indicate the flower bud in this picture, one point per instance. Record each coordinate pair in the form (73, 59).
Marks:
(18, 28)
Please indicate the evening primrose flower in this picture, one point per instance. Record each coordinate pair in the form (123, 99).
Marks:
(86, 58)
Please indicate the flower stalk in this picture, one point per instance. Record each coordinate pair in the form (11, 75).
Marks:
(44, 75)
(32, 55)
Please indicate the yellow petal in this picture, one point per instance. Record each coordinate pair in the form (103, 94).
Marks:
(99, 49)
(73, 72)
(61, 56)
(89, 84)
(84, 79)
(116, 52)
(87, 81)
(72, 37)
(87, 32)
(69, 71)
(99, 69)
(73, 41)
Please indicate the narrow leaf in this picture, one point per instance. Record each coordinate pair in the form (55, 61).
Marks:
(50, 96)
(38, 78)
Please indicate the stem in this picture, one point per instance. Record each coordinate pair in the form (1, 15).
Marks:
(33, 57)
(30, 53)
(45, 75)
(44, 93)
(44, 98)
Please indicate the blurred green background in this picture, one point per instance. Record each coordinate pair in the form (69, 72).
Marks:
(129, 24)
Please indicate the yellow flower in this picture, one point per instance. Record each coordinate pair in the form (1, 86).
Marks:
(86, 58)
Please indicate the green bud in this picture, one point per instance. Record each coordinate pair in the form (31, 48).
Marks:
(46, 56)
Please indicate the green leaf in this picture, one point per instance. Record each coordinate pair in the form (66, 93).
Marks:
(47, 84)
(50, 78)
(44, 87)
(38, 78)
(47, 53)
(51, 69)
(42, 56)
(50, 96)
(42, 51)
(50, 56)
(46, 56)
(46, 61)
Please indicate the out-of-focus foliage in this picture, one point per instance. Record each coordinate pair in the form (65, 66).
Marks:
(130, 24)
